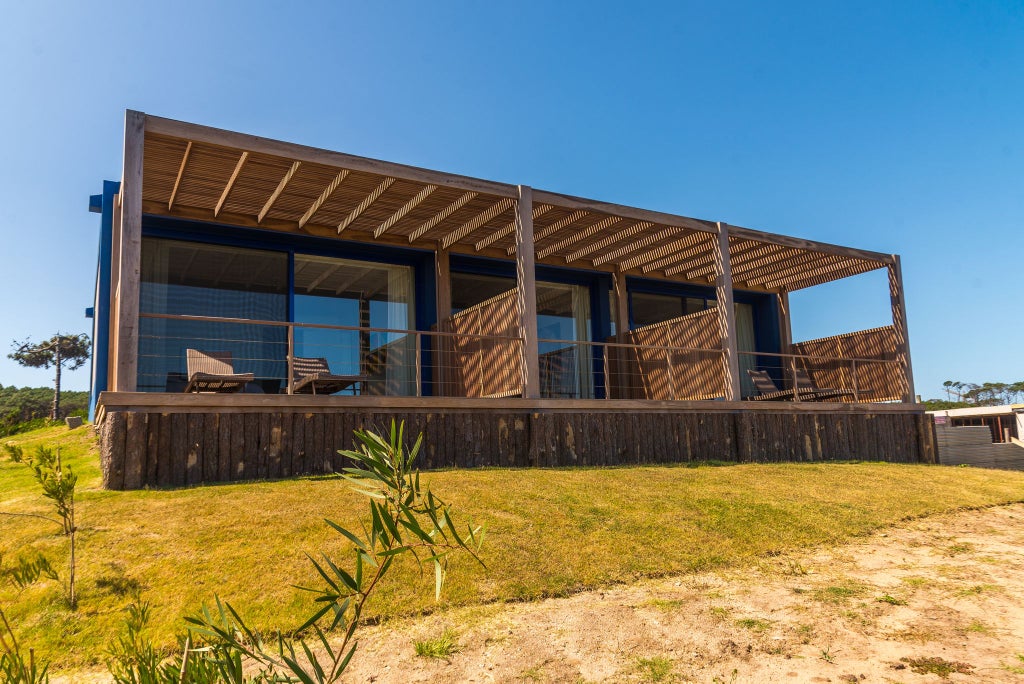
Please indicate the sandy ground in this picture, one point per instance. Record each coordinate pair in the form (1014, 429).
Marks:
(933, 599)
(941, 598)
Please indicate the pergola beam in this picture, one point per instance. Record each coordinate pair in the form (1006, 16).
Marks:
(491, 213)
(278, 190)
(365, 204)
(681, 256)
(558, 225)
(324, 196)
(231, 183)
(825, 264)
(583, 234)
(181, 172)
(642, 243)
(441, 216)
(683, 244)
(794, 263)
(623, 234)
(538, 211)
(406, 208)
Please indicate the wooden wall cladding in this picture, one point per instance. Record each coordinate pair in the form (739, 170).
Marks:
(147, 448)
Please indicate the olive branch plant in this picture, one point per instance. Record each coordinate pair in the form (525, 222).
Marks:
(406, 518)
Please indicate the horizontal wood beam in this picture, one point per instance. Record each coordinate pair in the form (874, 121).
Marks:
(558, 225)
(231, 183)
(255, 144)
(812, 245)
(181, 172)
(800, 269)
(642, 243)
(696, 251)
(365, 204)
(656, 217)
(617, 237)
(324, 196)
(675, 246)
(581, 234)
(406, 208)
(278, 190)
(491, 213)
(538, 210)
(441, 216)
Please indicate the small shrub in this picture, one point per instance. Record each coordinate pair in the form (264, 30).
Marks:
(656, 669)
(937, 666)
(439, 647)
(14, 452)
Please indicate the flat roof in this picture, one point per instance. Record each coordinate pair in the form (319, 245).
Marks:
(980, 411)
(201, 173)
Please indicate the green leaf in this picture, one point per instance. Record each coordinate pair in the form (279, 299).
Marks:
(353, 538)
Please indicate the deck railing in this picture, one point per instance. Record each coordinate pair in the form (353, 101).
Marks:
(400, 362)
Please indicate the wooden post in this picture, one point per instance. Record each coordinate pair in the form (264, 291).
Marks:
(785, 322)
(727, 316)
(899, 323)
(290, 382)
(621, 307)
(526, 294)
(126, 374)
(443, 284)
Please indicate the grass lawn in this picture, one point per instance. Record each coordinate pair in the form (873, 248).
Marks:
(549, 532)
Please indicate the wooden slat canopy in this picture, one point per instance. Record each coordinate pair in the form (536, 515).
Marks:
(202, 173)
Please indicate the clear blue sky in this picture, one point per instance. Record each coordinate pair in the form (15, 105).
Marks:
(892, 126)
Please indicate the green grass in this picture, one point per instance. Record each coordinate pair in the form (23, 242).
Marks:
(439, 647)
(656, 669)
(551, 532)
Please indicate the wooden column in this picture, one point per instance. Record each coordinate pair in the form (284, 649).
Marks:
(526, 294)
(126, 373)
(785, 323)
(727, 316)
(621, 307)
(115, 282)
(899, 323)
(443, 284)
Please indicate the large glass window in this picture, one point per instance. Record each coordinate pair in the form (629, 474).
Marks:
(563, 319)
(358, 294)
(195, 279)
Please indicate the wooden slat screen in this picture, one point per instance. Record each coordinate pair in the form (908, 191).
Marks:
(480, 367)
(874, 381)
(667, 374)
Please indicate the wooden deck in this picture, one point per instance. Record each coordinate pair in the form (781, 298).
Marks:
(173, 440)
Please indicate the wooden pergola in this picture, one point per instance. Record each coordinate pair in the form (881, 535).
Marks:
(194, 172)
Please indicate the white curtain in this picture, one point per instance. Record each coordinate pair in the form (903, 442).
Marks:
(746, 341)
(400, 364)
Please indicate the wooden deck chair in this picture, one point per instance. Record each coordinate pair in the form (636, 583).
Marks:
(313, 376)
(213, 372)
(767, 391)
(806, 385)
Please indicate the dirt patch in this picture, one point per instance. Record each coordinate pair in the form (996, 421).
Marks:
(939, 599)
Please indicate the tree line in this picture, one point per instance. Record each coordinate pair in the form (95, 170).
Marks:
(984, 394)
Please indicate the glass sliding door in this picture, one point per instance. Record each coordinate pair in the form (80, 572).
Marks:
(196, 279)
(563, 318)
(358, 294)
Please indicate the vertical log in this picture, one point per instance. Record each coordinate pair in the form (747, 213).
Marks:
(526, 294)
(113, 449)
(130, 253)
(135, 450)
(899, 323)
(727, 316)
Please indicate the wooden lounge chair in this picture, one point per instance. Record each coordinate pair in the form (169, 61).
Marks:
(767, 391)
(313, 376)
(805, 384)
(213, 372)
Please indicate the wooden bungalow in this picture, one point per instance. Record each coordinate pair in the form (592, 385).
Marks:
(513, 326)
